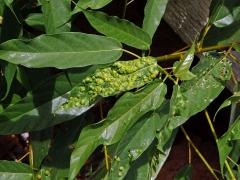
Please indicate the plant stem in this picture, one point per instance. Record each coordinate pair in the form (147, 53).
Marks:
(104, 146)
(106, 157)
(233, 162)
(124, 8)
(189, 153)
(216, 140)
(205, 31)
(25, 155)
(30, 155)
(229, 170)
(211, 126)
(199, 154)
(168, 75)
(131, 53)
(177, 55)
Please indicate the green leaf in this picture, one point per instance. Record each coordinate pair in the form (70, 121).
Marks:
(9, 4)
(235, 98)
(181, 68)
(128, 109)
(153, 13)
(40, 108)
(185, 173)
(59, 154)
(10, 27)
(166, 137)
(195, 95)
(111, 80)
(63, 50)
(9, 74)
(225, 16)
(237, 47)
(223, 36)
(15, 171)
(92, 4)
(35, 20)
(55, 14)
(140, 169)
(120, 29)
(225, 144)
(132, 145)
(225, 12)
(40, 141)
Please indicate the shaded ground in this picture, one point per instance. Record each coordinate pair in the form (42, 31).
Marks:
(179, 158)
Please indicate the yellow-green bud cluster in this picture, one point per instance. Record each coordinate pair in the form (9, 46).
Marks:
(119, 77)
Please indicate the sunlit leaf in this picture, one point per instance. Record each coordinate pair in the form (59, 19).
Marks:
(63, 50)
(132, 145)
(128, 109)
(181, 68)
(224, 12)
(15, 171)
(196, 94)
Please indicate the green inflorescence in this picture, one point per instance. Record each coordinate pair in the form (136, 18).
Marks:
(119, 77)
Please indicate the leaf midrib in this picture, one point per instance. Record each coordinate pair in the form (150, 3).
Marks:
(121, 30)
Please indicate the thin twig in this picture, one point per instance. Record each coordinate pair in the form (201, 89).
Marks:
(216, 140)
(131, 53)
(199, 154)
(189, 153)
(168, 75)
(104, 146)
(124, 8)
(25, 155)
(179, 54)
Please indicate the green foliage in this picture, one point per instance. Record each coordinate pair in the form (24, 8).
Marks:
(78, 49)
(181, 68)
(122, 116)
(120, 29)
(76, 92)
(153, 12)
(15, 171)
(109, 81)
(55, 18)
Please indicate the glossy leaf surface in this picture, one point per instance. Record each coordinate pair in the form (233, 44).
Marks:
(63, 50)
(120, 29)
(153, 13)
(132, 145)
(39, 109)
(182, 68)
(122, 116)
(15, 171)
(195, 95)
